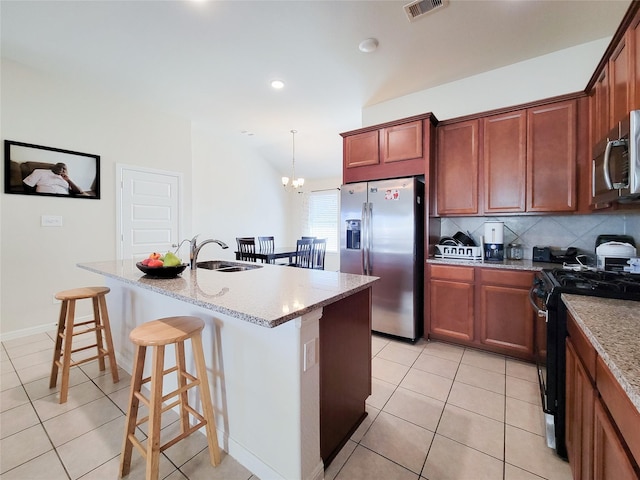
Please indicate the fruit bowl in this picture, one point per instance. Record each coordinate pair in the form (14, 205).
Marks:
(162, 272)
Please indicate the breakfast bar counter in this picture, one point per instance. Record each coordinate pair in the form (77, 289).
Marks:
(288, 353)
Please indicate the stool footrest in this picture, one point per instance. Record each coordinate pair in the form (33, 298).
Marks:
(175, 440)
(148, 403)
(104, 353)
(164, 372)
(76, 350)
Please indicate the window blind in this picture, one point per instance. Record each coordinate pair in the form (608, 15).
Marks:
(323, 217)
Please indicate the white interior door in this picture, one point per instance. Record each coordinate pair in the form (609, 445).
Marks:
(150, 210)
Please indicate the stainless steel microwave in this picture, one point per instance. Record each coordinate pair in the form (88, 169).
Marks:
(615, 172)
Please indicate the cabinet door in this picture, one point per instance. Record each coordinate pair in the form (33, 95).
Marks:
(457, 169)
(634, 43)
(580, 395)
(362, 149)
(451, 309)
(610, 460)
(551, 158)
(505, 314)
(504, 157)
(620, 81)
(402, 142)
(600, 125)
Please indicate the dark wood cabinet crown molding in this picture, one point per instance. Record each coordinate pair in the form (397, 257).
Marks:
(430, 116)
(511, 108)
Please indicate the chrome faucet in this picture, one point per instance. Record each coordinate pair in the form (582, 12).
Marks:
(194, 248)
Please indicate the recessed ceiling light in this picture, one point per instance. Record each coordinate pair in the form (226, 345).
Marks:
(277, 84)
(369, 45)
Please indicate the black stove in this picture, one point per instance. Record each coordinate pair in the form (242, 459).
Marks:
(551, 332)
(625, 286)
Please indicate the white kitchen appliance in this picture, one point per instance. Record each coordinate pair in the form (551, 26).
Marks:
(493, 241)
(614, 256)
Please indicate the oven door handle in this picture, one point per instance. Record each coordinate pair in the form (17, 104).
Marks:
(539, 312)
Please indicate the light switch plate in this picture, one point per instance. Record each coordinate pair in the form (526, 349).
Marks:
(51, 221)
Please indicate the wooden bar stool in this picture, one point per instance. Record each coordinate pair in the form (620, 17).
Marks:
(68, 329)
(158, 334)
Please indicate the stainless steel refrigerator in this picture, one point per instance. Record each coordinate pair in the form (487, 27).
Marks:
(382, 234)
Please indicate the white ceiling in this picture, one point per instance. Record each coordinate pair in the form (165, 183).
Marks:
(212, 61)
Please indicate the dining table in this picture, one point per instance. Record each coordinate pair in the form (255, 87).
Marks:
(270, 257)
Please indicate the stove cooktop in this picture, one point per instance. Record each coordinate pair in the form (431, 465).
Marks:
(625, 286)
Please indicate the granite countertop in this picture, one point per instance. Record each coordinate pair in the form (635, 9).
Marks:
(267, 296)
(612, 326)
(528, 265)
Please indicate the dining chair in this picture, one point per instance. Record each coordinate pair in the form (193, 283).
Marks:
(318, 252)
(303, 254)
(247, 248)
(267, 245)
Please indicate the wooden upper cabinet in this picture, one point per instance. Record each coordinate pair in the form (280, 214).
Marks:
(504, 157)
(634, 41)
(600, 121)
(392, 150)
(457, 169)
(401, 142)
(620, 82)
(551, 157)
(362, 149)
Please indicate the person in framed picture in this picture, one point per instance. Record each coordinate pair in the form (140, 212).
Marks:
(56, 181)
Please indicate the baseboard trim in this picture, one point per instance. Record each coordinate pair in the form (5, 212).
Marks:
(25, 332)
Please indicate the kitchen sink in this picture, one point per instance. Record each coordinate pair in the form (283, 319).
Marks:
(224, 266)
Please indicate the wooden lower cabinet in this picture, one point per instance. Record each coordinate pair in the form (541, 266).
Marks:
(505, 315)
(580, 397)
(610, 459)
(451, 303)
(595, 445)
(483, 307)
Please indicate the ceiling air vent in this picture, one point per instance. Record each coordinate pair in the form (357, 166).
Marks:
(419, 8)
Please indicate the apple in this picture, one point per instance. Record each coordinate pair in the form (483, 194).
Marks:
(146, 261)
(155, 263)
(154, 256)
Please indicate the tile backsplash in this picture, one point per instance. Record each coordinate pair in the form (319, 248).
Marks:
(558, 231)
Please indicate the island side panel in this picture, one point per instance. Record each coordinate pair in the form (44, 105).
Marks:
(345, 370)
(266, 406)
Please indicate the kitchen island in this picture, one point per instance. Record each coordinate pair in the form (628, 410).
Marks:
(602, 387)
(288, 353)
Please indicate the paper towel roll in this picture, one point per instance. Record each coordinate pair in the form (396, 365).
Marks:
(494, 232)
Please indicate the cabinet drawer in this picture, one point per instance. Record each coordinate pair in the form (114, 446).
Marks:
(623, 412)
(445, 272)
(582, 346)
(511, 278)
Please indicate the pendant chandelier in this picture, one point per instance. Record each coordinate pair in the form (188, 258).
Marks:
(295, 182)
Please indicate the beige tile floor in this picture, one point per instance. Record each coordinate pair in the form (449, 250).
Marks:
(437, 412)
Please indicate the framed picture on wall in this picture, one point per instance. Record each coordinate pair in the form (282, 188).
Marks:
(53, 172)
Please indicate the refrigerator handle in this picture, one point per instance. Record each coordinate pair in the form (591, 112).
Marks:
(369, 237)
(363, 249)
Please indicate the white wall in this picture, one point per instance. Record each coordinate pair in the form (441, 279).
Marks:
(558, 73)
(236, 193)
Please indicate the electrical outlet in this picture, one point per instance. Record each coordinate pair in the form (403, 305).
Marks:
(310, 354)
